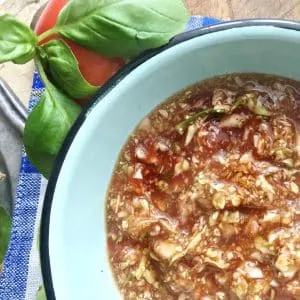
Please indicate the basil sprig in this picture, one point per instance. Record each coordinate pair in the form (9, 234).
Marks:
(5, 227)
(117, 28)
(62, 66)
(48, 125)
(122, 27)
(17, 41)
(41, 294)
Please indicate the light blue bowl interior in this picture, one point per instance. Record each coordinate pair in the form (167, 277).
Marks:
(77, 237)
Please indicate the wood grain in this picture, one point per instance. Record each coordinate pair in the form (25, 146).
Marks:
(20, 77)
(239, 9)
(215, 8)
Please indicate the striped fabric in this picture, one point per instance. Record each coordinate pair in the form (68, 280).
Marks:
(21, 274)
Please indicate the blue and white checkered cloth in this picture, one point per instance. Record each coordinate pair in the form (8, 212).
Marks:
(21, 276)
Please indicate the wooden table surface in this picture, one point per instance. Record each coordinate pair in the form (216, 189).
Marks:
(19, 77)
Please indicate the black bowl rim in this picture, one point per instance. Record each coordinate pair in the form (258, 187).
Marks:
(102, 92)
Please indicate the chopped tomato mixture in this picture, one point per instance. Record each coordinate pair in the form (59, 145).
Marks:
(204, 202)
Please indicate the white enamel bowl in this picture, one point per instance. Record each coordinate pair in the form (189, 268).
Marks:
(73, 235)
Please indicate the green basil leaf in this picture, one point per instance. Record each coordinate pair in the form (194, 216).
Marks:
(41, 294)
(47, 127)
(17, 41)
(122, 27)
(5, 228)
(62, 66)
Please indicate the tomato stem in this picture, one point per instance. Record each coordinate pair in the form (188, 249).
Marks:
(47, 34)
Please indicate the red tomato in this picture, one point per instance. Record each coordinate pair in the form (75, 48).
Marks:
(95, 68)
(49, 15)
